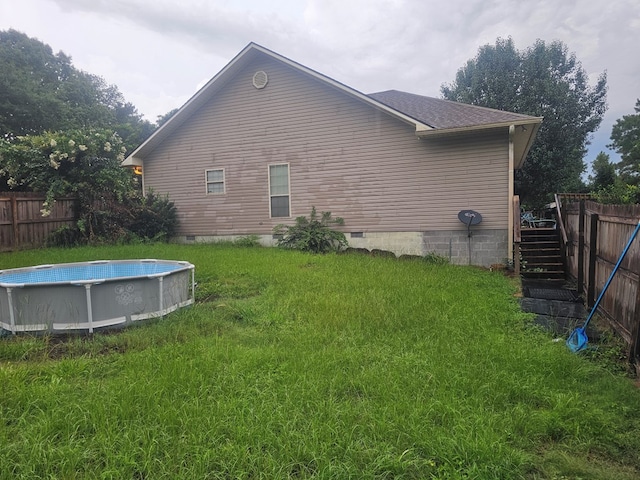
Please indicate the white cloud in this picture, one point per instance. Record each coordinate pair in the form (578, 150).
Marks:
(158, 51)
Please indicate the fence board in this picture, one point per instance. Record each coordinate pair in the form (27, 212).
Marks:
(607, 229)
(22, 224)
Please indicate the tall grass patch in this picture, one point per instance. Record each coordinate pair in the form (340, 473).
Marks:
(293, 365)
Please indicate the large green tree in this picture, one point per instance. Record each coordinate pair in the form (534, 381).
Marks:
(544, 80)
(625, 140)
(41, 91)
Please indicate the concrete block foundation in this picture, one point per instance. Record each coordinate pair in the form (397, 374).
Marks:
(483, 248)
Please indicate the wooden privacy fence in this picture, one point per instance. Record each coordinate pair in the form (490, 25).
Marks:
(597, 235)
(22, 224)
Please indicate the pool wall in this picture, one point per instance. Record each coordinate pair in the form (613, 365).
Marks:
(84, 304)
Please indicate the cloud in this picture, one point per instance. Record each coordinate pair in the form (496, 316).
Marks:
(208, 26)
(158, 51)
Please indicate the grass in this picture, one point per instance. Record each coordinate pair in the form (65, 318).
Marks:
(294, 365)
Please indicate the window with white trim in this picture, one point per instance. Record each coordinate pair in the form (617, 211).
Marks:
(279, 190)
(215, 181)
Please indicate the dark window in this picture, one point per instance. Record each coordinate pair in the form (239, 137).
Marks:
(279, 190)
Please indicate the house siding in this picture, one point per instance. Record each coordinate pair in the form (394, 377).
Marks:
(344, 156)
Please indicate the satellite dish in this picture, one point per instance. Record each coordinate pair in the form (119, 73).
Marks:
(469, 217)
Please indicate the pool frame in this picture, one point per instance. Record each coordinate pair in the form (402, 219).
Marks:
(89, 304)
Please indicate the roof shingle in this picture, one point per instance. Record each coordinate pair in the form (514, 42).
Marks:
(444, 114)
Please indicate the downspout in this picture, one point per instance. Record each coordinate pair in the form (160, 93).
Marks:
(512, 131)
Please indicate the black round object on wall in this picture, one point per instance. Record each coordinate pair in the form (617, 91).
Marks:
(469, 217)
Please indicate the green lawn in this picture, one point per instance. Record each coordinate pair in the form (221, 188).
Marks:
(293, 365)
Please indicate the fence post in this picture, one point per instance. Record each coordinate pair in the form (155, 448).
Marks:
(593, 258)
(634, 347)
(14, 221)
(581, 216)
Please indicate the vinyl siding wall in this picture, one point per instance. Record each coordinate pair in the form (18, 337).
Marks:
(344, 156)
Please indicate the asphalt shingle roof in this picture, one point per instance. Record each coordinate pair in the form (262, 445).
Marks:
(443, 114)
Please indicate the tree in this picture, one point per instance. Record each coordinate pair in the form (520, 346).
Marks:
(543, 80)
(604, 173)
(625, 140)
(41, 91)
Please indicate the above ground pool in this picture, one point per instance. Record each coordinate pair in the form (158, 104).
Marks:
(85, 296)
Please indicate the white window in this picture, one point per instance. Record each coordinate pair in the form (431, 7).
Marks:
(279, 190)
(215, 181)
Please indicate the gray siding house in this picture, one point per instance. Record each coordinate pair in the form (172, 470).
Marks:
(267, 139)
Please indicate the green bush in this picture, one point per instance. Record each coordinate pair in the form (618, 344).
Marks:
(109, 221)
(313, 234)
(155, 218)
(619, 193)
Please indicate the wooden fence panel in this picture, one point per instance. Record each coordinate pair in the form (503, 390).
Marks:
(572, 259)
(607, 229)
(6, 223)
(22, 224)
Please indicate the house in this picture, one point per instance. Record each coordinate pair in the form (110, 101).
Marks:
(267, 139)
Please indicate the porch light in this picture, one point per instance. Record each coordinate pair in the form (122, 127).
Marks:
(137, 170)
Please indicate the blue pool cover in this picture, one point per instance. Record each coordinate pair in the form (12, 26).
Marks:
(83, 272)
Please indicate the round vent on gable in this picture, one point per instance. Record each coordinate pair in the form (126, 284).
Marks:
(260, 79)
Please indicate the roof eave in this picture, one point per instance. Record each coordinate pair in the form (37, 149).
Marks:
(523, 139)
(521, 156)
(132, 161)
(534, 121)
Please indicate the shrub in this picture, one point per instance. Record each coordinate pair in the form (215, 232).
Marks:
(65, 236)
(435, 259)
(313, 234)
(618, 193)
(154, 218)
(247, 241)
(110, 221)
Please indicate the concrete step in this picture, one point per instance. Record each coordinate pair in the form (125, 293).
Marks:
(554, 308)
(557, 309)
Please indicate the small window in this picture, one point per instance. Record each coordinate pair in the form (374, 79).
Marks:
(279, 190)
(215, 181)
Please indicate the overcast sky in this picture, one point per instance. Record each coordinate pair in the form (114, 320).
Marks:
(159, 52)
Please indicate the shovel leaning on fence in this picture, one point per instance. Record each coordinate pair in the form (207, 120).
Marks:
(578, 339)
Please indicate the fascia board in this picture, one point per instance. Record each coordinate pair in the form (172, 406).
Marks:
(448, 131)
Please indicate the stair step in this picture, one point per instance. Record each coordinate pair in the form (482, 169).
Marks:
(548, 251)
(553, 241)
(530, 233)
(525, 238)
(540, 234)
(541, 255)
(550, 273)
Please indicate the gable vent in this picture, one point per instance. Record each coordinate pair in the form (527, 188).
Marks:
(260, 79)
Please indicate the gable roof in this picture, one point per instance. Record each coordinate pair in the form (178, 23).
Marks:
(429, 116)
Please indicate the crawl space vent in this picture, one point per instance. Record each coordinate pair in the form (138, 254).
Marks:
(260, 80)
